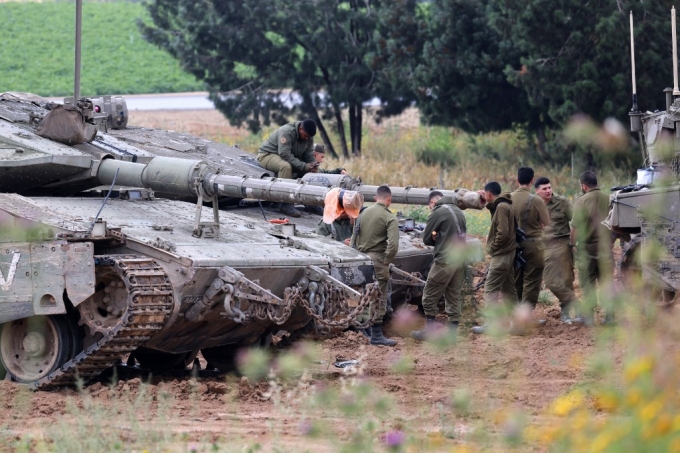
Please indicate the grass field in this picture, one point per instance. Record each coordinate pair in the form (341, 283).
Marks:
(37, 53)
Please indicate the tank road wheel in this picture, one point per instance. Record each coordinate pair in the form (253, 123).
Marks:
(153, 360)
(31, 348)
(104, 310)
(631, 272)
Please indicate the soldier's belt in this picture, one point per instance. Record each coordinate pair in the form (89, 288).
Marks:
(528, 239)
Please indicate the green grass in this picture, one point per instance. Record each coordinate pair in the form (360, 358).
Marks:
(37, 52)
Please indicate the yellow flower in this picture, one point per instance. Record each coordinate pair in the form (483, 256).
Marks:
(634, 397)
(663, 424)
(602, 441)
(651, 410)
(606, 402)
(637, 368)
(674, 446)
(581, 419)
(676, 423)
(563, 405)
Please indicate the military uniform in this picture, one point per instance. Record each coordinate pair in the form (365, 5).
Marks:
(447, 273)
(378, 237)
(501, 245)
(284, 153)
(339, 230)
(530, 214)
(595, 261)
(559, 258)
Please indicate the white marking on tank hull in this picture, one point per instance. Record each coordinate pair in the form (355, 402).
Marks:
(12, 271)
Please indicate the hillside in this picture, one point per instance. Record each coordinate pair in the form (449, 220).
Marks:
(38, 51)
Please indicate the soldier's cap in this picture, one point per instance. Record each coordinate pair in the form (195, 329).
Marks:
(309, 126)
(319, 148)
(338, 201)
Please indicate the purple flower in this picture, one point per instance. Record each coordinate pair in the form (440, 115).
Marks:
(305, 427)
(394, 439)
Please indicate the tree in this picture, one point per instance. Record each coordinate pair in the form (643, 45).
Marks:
(460, 78)
(252, 53)
(574, 57)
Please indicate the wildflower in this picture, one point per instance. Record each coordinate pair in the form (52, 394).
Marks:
(634, 397)
(305, 427)
(565, 404)
(606, 402)
(394, 439)
(602, 441)
(663, 424)
(637, 368)
(651, 410)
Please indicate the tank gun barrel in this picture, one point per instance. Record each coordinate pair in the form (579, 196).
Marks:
(187, 177)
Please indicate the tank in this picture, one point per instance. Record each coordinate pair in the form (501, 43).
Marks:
(98, 265)
(646, 213)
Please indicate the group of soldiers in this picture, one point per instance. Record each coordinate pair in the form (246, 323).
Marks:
(531, 240)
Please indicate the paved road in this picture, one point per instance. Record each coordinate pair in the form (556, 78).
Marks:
(186, 101)
(172, 101)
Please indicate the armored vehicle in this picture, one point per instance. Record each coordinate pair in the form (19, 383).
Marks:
(646, 215)
(112, 242)
(88, 278)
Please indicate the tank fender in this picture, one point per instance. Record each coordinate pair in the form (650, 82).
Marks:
(34, 276)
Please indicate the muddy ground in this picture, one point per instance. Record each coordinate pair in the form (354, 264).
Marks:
(422, 384)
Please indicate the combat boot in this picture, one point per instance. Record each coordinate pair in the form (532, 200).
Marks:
(377, 337)
(289, 209)
(424, 334)
(318, 210)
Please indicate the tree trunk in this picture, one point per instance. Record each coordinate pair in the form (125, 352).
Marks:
(309, 108)
(540, 135)
(351, 113)
(341, 130)
(355, 116)
(357, 128)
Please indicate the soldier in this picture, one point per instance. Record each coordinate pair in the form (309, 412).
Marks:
(558, 273)
(376, 233)
(445, 230)
(288, 152)
(319, 154)
(340, 229)
(531, 216)
(341, 207)
(501, 244)
(593, 240)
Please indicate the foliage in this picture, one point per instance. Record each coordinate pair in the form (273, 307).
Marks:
(459, 77)
(574, 57)
(37, 51)
(252, 53)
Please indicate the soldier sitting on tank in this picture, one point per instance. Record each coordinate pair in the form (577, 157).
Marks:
(319, 154)
(289, 153)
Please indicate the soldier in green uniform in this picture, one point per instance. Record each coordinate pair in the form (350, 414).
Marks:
(593, 241)
(445, 230)
(531, 216)
(559, 257)
(288, 152)
(501, 245)
(376, 233)
(340, 229)
(319, 154)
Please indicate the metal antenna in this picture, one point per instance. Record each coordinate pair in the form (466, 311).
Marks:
(79, 26)
(676, 91)
(632, 63)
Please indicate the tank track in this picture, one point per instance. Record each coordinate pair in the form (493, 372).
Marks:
(150, 302)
